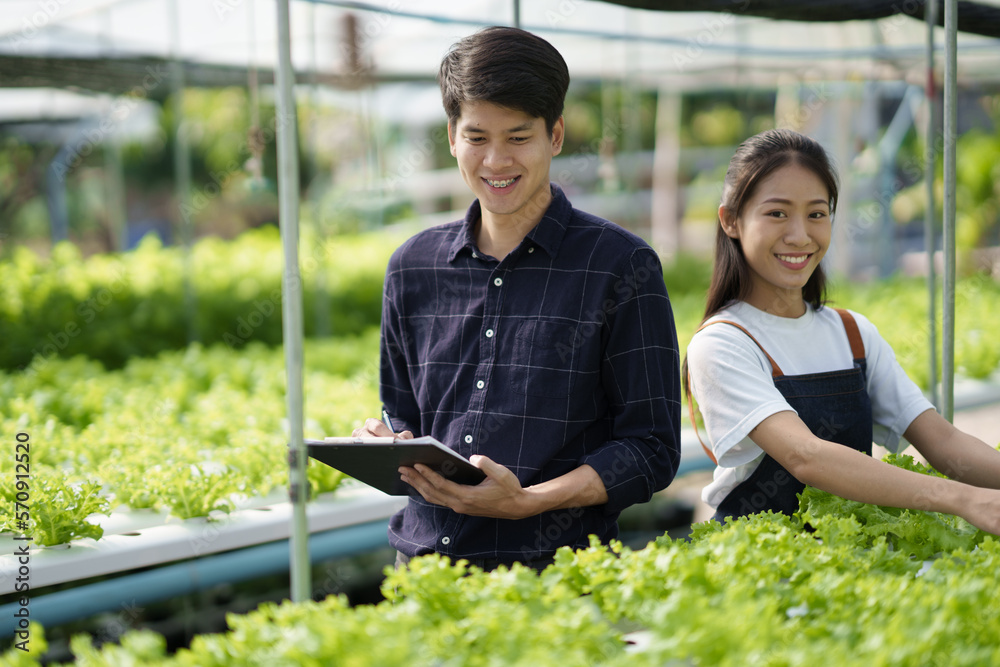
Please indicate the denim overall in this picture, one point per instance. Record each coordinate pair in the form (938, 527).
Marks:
(834, 405)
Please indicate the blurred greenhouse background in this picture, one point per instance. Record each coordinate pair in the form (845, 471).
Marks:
(95, 94)
(141, 259)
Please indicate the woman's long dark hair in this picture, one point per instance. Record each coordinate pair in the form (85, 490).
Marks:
(753, 161)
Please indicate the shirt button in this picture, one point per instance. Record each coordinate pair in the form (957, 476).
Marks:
(445, 540)
(468, 439)
(480, 384)
(489, 333)
(498, 281)
(531, 250)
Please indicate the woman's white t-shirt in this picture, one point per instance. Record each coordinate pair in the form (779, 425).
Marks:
(731, 381)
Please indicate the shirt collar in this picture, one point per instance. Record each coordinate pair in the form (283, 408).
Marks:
(547, 234)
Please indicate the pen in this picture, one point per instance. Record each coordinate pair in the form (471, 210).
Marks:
(387, 421)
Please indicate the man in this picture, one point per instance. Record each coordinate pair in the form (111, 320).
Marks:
(534, 339)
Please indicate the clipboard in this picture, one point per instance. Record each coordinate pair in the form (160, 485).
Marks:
(376, 460)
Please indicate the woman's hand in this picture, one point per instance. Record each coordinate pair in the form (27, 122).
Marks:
(981, 508)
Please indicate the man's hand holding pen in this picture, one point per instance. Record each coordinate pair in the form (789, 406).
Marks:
(380, 429)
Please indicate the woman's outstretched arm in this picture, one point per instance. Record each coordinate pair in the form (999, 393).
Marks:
(854, 475)
(957, 454)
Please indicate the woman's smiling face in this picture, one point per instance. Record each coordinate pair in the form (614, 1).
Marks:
(784, 231)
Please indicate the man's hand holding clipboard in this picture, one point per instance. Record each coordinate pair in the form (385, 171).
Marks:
(379, 457)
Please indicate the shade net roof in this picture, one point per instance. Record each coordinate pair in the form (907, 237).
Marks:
(109, 43)
(979, 18)
(115, 47)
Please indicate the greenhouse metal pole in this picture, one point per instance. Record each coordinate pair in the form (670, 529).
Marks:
(182, 167)
(291, 304)
(950, 132)
(930, 238)
(321, 305)
(115, 184)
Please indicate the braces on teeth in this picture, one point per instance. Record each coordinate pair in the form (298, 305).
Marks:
(501, 184)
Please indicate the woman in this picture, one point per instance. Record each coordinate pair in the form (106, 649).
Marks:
(794, 393)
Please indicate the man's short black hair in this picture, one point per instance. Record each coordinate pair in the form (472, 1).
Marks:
(508, 67)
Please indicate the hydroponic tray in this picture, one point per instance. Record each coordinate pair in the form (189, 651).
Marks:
(137, 539)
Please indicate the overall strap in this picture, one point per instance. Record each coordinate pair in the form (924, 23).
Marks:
(694, 422)
(853, 334)
(853, 337)
(775, 373)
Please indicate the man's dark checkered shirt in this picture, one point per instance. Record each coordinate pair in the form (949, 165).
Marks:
(564, 353)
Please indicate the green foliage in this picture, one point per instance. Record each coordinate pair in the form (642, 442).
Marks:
(898, 307)
(59, 510)
(213, 413)
(977, 188)
(725, 118)
(719, 126)
(920, 534)
(978, 194)
(688, 275)
(22, 172)
(190, 432)
(597, 113)
(193, 490)
(759, 590)
(36, 647)
(448, 616)
(113, 307)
